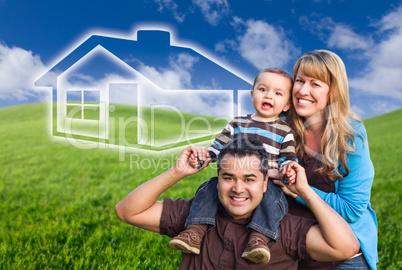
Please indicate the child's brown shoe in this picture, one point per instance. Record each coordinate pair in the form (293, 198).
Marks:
(189, 240)
(257, 251)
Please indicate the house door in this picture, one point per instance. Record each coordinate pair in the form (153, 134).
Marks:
(122, 114)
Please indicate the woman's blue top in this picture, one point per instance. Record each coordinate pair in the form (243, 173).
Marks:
(352, 196)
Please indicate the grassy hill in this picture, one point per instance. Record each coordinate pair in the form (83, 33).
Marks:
(172, 128)
(57, 201)
(384, 134)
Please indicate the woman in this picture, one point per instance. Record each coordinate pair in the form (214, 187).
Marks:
(331, 144)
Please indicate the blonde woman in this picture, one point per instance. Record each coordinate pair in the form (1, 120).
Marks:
(331, 144)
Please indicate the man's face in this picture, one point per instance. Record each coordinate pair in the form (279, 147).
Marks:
(241, 185)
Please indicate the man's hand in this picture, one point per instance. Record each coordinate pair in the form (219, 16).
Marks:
(141, 208)
(187, 163)
(285, 189)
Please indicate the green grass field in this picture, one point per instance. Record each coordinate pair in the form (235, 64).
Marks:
(173, 129)
(57, 201)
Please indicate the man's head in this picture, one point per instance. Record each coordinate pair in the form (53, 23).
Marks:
(271, 93)
(242, 176)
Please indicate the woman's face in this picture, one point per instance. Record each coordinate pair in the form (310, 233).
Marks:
(310, 95)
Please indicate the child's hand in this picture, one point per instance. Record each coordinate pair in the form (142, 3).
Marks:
(300, 185)
(192, 160)
(288, 175)
(198, 157)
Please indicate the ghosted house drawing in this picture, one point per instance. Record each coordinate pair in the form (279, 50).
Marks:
(134, 92)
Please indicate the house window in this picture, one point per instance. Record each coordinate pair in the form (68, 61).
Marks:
(83, 105)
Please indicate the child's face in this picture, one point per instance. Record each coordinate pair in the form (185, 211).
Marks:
(271, 95)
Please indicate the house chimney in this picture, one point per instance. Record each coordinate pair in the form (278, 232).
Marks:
(153, 38)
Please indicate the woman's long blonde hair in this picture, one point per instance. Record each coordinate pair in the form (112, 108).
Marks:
(328, 67)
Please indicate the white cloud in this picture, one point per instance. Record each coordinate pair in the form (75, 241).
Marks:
(168, 78)
(264, 45)
(374, 108)
(335, 35)
(122, 88)
(381, 107)
(343, 37)
(213, 10)
(359, 111)
(121, 93)
(204, 102)
(18, 71)
(172, 6)
(222, 46)
(177, 76)
(391, 20)
(83, 79)
(383, 75)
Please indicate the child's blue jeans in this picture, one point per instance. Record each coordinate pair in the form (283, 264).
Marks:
(265, 219)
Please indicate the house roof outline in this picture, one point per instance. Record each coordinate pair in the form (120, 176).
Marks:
(127, 49)
(144, 39)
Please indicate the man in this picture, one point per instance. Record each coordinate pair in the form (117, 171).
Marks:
(241, 183)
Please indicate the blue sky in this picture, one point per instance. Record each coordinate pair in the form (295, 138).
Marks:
(35, 35)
